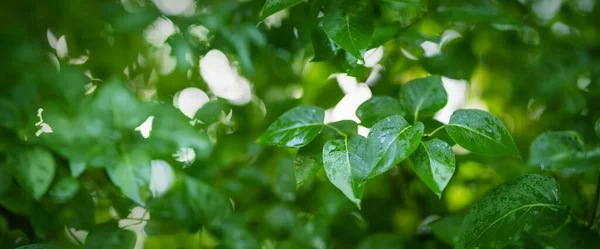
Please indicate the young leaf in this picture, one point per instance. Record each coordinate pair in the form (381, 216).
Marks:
(480, 132)
(346, 164)
(308, 162)
(351, 31)
(378, 108)
(33, 168)
(295, 128)
(423, 97)
(273, 6)
(108, 235)
(434, 163)
(529, 203)
(132, 175)
(392, 140)
(561, 150)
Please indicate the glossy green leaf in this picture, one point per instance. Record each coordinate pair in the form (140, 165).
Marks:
(423, 97)
(295, 128)
(323, 46)
(529, 203)
(346, 164)
(435, 164)
(132, 175)
(378, 108)
(109, 236)
(481, 132)
(33, 168)
(351, 31)
(446, 229)
(308, 161)
(38, 246)
(562, 150)
(390, 141)
(273, 6)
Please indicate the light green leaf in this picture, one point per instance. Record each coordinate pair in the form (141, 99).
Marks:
(65, 189)
(109, 236)
(33, 168)
(481, 132)
(597, 127)
(295, 128)
(378, 108)
(434, 163)
(132, 175)
(423, 97)
(114, 102)
(273, 6)
(351, 31)
(529, 203)
(308, 162)
(347, 166)
(392, 140)
(562, 150)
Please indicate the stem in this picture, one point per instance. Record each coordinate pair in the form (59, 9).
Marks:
(74, 237)
(593, 215)
(336, 130)
(416, 117)
(434, 131)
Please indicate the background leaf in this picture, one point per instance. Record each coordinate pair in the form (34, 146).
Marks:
(423, 97)
(34, 169)
(109, 236)
(378, 108)
(273, 6)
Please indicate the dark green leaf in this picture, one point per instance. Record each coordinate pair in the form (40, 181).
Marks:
(446, 229)
(347, 166)
(562, 150)
(339, 129)
(480, 132)
(38, 246)
(529, 203)
(392, 140)
(597, 127)
(323, 46)
(351, 31)
(308, 162)
(33, 168)
(273, 6)
(109, 236)
(132, 175)
(5, 180)
(423, 97)
(295, 128)
(378, 108)
(13, 239)
(381, 241)
(434, 163)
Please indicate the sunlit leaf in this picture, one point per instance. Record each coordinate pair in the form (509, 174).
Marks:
(480, 132)
(392, 140)
(295, 128)
(423, 97)
(529, 203)
(351, 31)
(378, 108)
(33, 168)
(347, 166)
(434, 163)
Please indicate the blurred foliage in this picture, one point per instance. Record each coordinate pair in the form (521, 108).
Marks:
(79, 78)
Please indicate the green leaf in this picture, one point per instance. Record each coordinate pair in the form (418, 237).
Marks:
(33, 168)
(529, 203)
(434, 163)
(324, 47)
(390, 141)
(5, 180)
(339, 129)
(38, 246)
(597, 127)
(562, 150)
(13, 239)
(273, 6)
(350, 30)
(132, 175)
(108, 235)
(446, 229)
(295, 128)
(347, 166)
(382, 241)
(65, 189)
(378, 108)
(308, 161)
(116, 103)
(423, 97)
(481, 132)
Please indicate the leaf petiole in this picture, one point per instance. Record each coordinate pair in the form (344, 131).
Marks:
(434, 131)
(336, 130)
